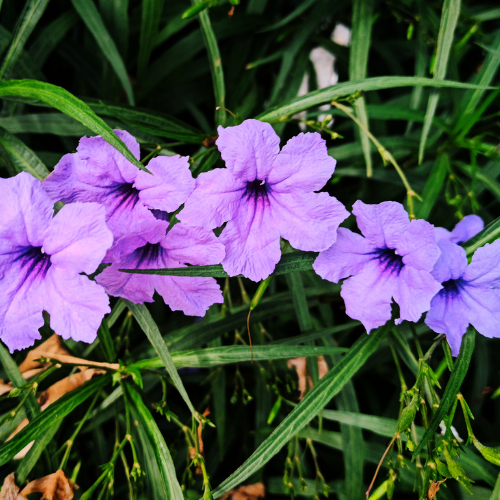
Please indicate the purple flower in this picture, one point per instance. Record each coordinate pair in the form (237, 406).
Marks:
(470, 293)
(264, 194)
(151, 246)
(97, 172)
(392, 261)
(41, 261)
(468, 227)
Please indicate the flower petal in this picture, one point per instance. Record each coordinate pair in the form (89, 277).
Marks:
(252, 241)
(303, 163)
(346, 257)
(77, 238)
(468, 227)
(20, 309)
(449, 315)
(309, 221)
(169, 186)
(215, 199)
(193, 245)
(417, 245)
(25, 213)
(451, 263)
(101, 157)
(249, 149)
(192, 296)
(484, 269)
(368, 295)
(414, 292)
(76, 305)
(382, 224)
(484, 307)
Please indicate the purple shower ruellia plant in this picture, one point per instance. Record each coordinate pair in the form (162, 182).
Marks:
(42, 259)
(263, 194)
(393, 260)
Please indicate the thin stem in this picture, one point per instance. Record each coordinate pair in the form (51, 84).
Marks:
(386, 156)
(380, 463)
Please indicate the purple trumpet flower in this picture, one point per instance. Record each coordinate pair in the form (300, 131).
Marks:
(392, 261)
(97, 172)
(468, 227)
(41, 261)
(470, 293)
(264, 194)
(154, 246)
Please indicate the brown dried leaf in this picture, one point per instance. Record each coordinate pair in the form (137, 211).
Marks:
(435, 485)
(4, 388)
(10, 490)
(247, 492)
(53, 345)
(305, 381)
(52, 487)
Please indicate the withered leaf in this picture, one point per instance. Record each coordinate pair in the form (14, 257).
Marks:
(434, 488)
(305, 380)
(10, 490)
(247, 492)
(53, 345)
(52, 487)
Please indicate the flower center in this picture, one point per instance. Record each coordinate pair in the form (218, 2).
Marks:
(256, 189)
(148, 253)
(127, 196)
(390, 259)
(34, 262)
(451, 288)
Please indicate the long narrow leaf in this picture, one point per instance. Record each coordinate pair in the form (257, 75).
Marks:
(452, 388)
(328, 94)
(449, 18)
(67, 103)
(55, 412)
(170, 484)
(291, 262)
(307, 409)
(93, 20)
(149, 327)
(33, 10)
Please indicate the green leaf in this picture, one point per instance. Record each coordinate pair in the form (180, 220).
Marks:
(289, 263)
(216, 356)
(301, 8)
(382, 426)
(307, 409)
(15, 376)
(106, 341)
(33, 10)
(157, 124)
(44, 123)
(490, 454)
(495, 495)
(49, 417)
(449, 18)
(452, 388)
(51, 36)
(433, 186)
(328, 94)
(149, 327)
(215, 63)
(362, 13)
(66, 102)
(21, 157)
(489, 234)
(93, 20)
(170, 484)
(151, 16)
(195, 9)
(31, 458)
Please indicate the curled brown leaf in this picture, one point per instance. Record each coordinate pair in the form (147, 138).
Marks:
(247, 492)
(52, 487)
(305, 380)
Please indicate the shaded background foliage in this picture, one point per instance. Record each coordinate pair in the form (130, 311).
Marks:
(142, 67)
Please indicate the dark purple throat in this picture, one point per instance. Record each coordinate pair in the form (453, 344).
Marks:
(34, 262)
(389, 259)
(256, 190)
